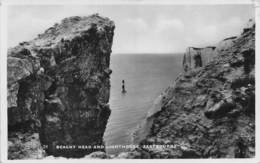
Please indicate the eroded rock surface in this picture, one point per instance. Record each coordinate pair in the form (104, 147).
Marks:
(58, 88)
(209, 111)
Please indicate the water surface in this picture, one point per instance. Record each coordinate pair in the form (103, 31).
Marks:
(146, 77)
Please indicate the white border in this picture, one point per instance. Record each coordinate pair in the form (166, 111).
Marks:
(3, 82)
(127, 2)
(3, 65)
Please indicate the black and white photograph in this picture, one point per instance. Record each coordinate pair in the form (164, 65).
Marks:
(129, 81)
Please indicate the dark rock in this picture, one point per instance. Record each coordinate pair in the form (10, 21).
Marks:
(58, 85)
(220, 109)
(249, 59)
(25, 146)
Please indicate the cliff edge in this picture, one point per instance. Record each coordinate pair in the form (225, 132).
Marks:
(209, 111)
(58, 89)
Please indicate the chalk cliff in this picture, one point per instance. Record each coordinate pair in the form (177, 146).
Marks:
(58, 89)
(209, 110)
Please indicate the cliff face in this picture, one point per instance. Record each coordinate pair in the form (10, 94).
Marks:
(209, 111)
(58, 89)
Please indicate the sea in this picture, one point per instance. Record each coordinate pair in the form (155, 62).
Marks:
(146, 76)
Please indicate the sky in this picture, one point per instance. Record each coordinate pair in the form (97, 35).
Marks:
(139, 28)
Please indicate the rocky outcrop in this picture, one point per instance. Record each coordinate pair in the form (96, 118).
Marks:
(209, 111)
(58, 89)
